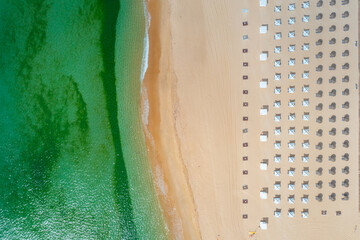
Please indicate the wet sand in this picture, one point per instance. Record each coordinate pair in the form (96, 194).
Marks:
(159, 90)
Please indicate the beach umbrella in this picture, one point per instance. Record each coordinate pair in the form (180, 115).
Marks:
(332, 118)
(319, 158)
(277, 213)
(319, 119)
(305, 199)
(332, 171)
(332, 158)
(319, 184)
(345, 157)
(291, 213)
(305, 172)
(305, 214)
(346, 170)
(305, 144)
(345, 14)
(332, 132)
(319, 171)
(346, 131)
(319, 197)
(319, 93)
(332, 196)
(305, 185)
(346, 118)
(345, 196)
(332, 184)
(291, 172)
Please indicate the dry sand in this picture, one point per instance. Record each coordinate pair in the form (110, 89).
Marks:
(194, 135)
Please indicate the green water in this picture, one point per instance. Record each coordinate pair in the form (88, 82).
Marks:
(73, 161)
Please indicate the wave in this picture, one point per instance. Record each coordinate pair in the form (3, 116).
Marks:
(145, 58)
(144, 64)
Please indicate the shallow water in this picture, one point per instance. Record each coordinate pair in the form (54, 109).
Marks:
(72, 153)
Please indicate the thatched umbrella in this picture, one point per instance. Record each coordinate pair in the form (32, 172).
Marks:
(332, 41)
(319, 184)
(319, 158)
(346, 78)
(319, 119)
(319, 146)
(332, 93)
(319, 42)
(332, 171)
(319, 107)
(345, 157)
(319, 94)
(332, 106)
(332, 196)
(345, 183)
(332, 132)
(319, 171)
(346, 170)
(346, 105)
(332, 184)
(345, 196)
(319, 132)
(319, 197)
(319, 29)
(332, 158)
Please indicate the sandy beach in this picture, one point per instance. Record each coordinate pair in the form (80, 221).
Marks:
(194, 131)
(169, 172)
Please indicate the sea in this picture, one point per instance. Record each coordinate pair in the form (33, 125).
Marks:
(73, 159)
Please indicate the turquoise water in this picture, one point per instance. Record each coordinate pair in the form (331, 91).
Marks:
(73, 161)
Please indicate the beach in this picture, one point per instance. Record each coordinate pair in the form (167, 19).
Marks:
(194, 131)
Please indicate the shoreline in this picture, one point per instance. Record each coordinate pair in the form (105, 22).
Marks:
(158, 100)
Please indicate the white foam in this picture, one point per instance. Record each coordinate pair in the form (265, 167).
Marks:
(145, 58)
(145, 111)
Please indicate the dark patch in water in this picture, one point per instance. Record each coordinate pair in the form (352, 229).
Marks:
(121, 184)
